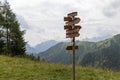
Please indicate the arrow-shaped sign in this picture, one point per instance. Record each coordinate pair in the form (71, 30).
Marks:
(72, 14)
(75, 21)
(77, 27)
(67, 19)
(71, 47)
(66, 27)
(73, 35)
(68, 32)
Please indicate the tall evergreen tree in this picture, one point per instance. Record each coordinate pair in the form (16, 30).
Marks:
(15, 44)
(1, 30)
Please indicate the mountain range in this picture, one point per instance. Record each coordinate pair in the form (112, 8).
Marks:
(103, 54)
(40, 47)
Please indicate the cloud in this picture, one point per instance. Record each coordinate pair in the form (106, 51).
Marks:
(23, 22)
(43, 19)
(112, 9)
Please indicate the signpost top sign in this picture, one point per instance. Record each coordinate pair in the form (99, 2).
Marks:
(72, 14)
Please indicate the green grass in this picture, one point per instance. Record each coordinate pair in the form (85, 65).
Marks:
(24, 69)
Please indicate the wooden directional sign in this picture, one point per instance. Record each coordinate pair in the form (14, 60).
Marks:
(67, 19)
(73, 35)
(72, 31)
(72, 14)
(69, 27)
(75, 21)
(77, 27)
(71, 47)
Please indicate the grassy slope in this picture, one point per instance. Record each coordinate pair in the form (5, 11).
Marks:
(24, 69)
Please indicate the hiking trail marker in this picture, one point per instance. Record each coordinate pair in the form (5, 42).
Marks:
(72, 31)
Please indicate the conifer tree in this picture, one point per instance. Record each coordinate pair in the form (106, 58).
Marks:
(15, 44)
(1, 30)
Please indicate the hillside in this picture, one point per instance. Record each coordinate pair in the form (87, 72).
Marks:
(85, 53)
(25, 69)
(107, 55)
(58, 53)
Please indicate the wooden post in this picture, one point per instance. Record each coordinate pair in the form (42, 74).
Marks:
(73, 54)
(73, 58)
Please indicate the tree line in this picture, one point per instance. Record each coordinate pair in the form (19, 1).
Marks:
(11, 37)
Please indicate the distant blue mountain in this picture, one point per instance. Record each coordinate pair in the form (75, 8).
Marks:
(45, 46)
(40, 47)
(30, 50)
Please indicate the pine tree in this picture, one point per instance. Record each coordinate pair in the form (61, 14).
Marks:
(15, 44)
(1, 30)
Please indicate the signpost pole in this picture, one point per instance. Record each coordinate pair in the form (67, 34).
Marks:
(73, 58)
(73, 55)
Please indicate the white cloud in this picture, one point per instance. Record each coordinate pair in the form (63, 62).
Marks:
(43, 19)
(112, 9)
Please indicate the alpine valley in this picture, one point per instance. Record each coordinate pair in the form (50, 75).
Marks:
(103, 54)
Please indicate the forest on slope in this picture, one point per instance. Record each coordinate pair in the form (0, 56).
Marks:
(103, 54)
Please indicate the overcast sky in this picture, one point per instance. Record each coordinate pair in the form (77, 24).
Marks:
(43, 19)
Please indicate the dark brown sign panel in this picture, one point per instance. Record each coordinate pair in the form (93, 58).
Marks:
(77, 27)
(72, 31)
(72, 14)
(66, 27)
(71, 47)
(73, 35)
(75, 21)
(67, 19)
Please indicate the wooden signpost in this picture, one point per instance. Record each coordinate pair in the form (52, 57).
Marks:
(72, 31)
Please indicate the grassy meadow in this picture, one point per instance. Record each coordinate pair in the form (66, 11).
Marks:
(14, 68)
